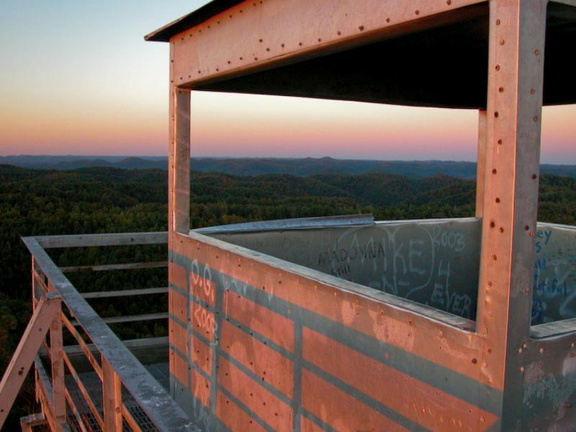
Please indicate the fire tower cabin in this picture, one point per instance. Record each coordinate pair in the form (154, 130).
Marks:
(346, 323)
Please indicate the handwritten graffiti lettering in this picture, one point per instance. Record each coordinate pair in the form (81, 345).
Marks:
(552, 287)
(454, 240)
(201, 284)
(416, 263)
(543, 237)
(363, 252)
(206, 323)
(411, 261)
(554, 278)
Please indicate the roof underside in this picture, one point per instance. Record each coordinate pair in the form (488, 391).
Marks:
(441, 66)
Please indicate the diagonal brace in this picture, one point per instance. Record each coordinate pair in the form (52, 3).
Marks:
(46, 311)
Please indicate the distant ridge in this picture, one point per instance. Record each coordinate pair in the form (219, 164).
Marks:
(259, 166)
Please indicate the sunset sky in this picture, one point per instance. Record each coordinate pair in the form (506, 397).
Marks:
(77, 77)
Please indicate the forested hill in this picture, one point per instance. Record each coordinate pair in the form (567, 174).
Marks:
(257, 166)
(96, 200)
(105, 199)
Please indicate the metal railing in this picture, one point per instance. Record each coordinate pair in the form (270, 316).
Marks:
(127, 394)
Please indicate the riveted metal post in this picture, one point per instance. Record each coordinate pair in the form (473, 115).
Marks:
(57, 365)
(517, 33)
(179, 160)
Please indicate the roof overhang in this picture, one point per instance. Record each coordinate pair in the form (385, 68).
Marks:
(434, 54)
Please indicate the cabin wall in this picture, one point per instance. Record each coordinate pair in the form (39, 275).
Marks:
(433, 262)
(260, 344)
(417, 260)
(549, 372)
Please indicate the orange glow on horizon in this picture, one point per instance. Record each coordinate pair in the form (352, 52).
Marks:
(260, 126)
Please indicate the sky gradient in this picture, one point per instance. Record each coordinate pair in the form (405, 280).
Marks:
(77, 77)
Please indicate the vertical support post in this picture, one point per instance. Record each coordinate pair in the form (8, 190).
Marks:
(179, 161)
(481, 164)
(34, 283)
(517, 34)
(57, 364)
(112, 398)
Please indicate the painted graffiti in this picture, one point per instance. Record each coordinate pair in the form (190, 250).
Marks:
(203, 288)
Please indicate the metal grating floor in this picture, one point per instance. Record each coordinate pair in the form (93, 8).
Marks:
(93, 387)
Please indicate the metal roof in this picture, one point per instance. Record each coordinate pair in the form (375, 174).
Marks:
(441, 62)
(208, 9)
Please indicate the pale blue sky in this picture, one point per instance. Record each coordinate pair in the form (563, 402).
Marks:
(77, 77)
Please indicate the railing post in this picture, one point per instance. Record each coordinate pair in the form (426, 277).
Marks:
(111, 398)
(57, 363)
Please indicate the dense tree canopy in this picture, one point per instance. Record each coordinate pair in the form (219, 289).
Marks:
(99, 200)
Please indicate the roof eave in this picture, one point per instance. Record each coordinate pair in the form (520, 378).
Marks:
(203, 13)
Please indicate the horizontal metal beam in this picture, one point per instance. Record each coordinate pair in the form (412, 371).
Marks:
(90, 240)
(146, 350)
(110, 267)
(124, 293)
(282, 31)
(132, 344)
(553, 329)
(283, 224)
(135, 318)
(162, 410)
(32, 420)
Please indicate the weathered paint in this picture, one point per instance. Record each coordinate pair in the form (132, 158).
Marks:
(321, 335)
(279, 332)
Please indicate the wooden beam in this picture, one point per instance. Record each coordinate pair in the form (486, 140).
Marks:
(47, 309)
